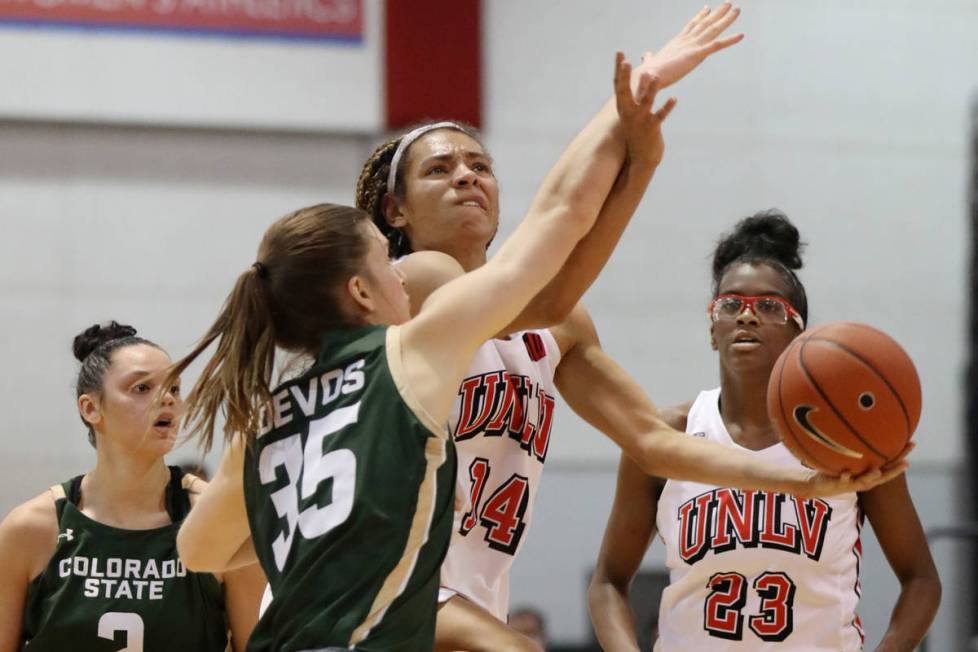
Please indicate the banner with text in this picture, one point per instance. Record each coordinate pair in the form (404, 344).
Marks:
(303, 19)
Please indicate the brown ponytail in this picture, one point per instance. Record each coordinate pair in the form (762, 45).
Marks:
(287, 299)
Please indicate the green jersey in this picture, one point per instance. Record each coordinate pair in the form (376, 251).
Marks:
(350, 492)
(112, 590)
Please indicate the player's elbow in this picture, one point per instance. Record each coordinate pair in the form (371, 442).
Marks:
(596, 590)
(926, 587)
(653, 455)
(548, 309)
(567, 215)
(602, 581)
(194, 553)
(558, 308)
(603, 590)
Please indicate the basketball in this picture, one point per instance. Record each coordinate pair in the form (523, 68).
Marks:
(844, 397)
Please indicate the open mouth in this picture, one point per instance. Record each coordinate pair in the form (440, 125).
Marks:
(745, 336)
(163, 422)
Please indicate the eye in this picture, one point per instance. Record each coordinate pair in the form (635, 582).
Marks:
(482, 167)
(729, 306)
(437, 169)
(769, 306)
(175, 390)
(141, 388)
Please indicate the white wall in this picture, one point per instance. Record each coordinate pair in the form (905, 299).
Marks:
(852, 118)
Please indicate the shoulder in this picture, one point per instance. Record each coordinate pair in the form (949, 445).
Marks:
(34, 518)
(432, 263)
(676, 415)
(425, 272)
(29, 533)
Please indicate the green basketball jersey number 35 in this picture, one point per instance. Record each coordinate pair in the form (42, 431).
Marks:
(350, 492)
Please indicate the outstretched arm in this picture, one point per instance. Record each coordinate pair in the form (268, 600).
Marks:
(700, 38)
(894, 519)
(438, 344)
(605, 395)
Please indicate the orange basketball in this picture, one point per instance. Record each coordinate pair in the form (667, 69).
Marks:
(844, 397)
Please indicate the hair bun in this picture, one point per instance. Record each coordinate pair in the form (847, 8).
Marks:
(95, 336)
(767, 234)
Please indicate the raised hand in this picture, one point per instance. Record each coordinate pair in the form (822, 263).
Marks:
(698, 39)
(641, 126)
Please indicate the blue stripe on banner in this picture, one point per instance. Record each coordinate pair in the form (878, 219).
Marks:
(189, 32)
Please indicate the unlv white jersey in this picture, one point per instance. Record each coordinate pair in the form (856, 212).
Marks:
(501, 426)
(754, 570)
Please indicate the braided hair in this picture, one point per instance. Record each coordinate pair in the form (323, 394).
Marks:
(93, 348)
(372, 187)
(766, 237)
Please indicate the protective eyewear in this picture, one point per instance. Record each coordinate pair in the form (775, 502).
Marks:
(768, 308)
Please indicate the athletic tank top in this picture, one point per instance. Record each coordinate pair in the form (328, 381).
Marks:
(112, 590)
(501, 424)
(349, 488)
(754, 570)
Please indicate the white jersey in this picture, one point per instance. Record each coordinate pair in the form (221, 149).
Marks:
(754, 570)
(501, 426)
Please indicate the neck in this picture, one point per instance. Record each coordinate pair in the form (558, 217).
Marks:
(124, 490)
(743, 407)
(471, 260)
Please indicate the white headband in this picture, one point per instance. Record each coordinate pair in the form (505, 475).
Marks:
(406, 141)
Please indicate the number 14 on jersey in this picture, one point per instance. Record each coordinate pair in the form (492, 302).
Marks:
(502, 513)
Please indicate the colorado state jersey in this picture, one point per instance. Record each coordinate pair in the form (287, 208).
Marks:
(753, 570)
(350, 493)
(112, 590)
(501, 425)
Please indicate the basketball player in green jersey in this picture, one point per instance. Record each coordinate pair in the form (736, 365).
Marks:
(342, 480)
(91, 565)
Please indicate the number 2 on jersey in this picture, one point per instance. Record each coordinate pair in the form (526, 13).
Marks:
(722, 615)
(122, 621)
(502, 513)
(305, 469)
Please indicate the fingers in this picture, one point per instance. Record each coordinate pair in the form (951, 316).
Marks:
(900, 460)
(623, 83)
(877, 476)
(666, 109)
(724, 43)
(695, 21)
(724, 20)
(648, 86)
(709, 21)
(893, 472)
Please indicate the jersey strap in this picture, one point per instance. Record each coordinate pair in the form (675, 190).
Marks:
(177, 499)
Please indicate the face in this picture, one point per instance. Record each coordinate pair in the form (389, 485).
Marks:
(383, 283)
(450, 193)
(748, 340)
(129, 413)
